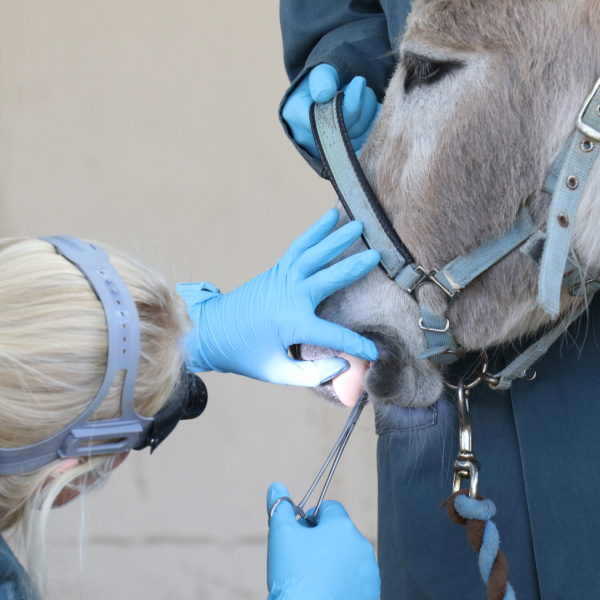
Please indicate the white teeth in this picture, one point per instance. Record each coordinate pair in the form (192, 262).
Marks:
(349, 385)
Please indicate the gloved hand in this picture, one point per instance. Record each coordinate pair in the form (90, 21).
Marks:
(330, 561)
(360, 107)
(249, 330)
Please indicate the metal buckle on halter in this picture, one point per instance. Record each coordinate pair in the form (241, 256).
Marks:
(587, 130)
(429, 277)
(433, 329)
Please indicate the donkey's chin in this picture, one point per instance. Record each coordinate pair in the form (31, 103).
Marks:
(396, 377)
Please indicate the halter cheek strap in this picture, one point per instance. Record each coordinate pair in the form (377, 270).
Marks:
(352, 187)
(566, 182)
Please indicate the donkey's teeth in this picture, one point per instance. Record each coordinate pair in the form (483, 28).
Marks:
(349, 385)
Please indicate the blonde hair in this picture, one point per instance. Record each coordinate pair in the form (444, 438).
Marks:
(53, 346)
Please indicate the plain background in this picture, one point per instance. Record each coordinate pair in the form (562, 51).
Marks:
(152, 125)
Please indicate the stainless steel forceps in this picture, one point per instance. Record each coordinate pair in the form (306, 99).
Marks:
(334, 455)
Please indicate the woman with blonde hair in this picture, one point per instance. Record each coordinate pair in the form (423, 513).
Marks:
(91, 367)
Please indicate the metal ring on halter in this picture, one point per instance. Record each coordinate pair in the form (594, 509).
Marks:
(528, 374)
(481, 375)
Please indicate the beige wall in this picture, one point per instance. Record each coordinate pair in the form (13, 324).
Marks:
(152, 125)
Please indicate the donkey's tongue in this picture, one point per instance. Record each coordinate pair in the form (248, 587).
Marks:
(349, 385)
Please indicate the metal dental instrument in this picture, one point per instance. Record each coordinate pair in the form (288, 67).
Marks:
(334, 455)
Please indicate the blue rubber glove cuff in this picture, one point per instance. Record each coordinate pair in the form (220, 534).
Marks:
(194, 295)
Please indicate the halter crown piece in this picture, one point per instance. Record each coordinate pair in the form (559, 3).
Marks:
(130, 430)
(566, 182)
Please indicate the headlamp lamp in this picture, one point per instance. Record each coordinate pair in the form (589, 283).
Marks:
(85, 437)
(187, 401)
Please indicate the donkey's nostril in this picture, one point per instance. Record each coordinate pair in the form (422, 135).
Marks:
(295, 352)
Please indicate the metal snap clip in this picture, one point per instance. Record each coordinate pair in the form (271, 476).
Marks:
(466, 465)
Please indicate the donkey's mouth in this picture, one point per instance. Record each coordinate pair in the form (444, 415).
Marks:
(347, 387)
(396, 377)
(311, 352)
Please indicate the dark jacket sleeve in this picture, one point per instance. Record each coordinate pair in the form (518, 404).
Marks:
(14, 580)
(352, 35)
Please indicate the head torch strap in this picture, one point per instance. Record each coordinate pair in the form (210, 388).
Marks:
(122, 323)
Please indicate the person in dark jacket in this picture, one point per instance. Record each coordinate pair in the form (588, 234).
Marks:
(92, 367)
(537, 443)
(352, 45)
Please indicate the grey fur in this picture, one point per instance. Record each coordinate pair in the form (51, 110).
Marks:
(453, 161)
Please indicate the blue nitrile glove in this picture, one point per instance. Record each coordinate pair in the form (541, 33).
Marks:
(360, 107)
(249, 330)
(330, 561)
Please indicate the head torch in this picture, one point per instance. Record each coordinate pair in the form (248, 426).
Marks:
(85, 437)
(187, 401)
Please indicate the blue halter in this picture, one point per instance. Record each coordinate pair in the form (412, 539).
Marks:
(566, 182)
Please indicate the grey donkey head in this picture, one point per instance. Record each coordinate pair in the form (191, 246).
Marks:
(483, 98)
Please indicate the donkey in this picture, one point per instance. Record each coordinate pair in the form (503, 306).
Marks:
(483, 98)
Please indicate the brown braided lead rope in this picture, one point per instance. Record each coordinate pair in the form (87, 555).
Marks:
(498, 580)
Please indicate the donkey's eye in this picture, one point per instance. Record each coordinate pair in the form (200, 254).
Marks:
(423, 71)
